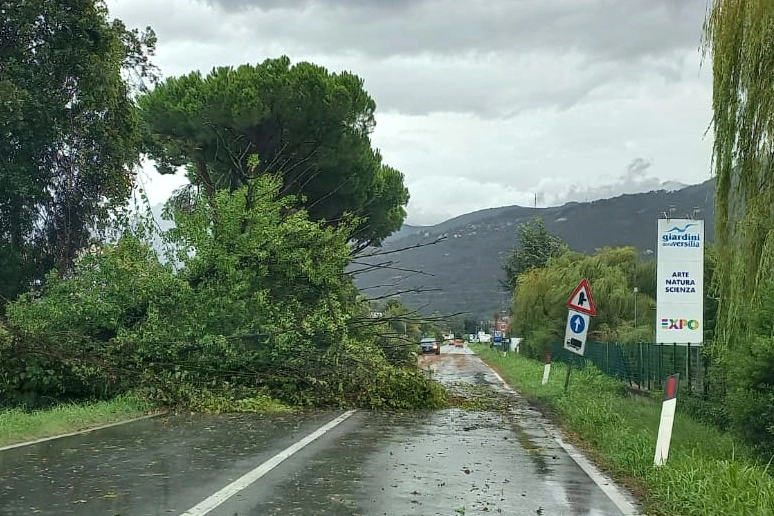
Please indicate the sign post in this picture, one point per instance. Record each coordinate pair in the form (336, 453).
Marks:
(667, 419)
(581, 308)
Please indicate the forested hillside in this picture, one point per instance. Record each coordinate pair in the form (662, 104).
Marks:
(463, 271)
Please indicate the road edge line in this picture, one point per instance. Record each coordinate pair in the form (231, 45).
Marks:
(80, 432)
(607, 486)
(219, 497)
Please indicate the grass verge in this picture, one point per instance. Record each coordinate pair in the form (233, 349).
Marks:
(708, 472)
(18, 425)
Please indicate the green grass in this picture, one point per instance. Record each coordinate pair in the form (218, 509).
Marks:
(18, 425)
(708, 472)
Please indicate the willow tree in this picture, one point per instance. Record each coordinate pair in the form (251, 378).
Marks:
(535, 246)
(539, 305)
(739, 35)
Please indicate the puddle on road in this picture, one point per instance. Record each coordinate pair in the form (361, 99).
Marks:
(536, 452)
(480, 379)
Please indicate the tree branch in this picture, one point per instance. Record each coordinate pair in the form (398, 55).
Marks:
(415, 246)
(384, 265)
(399, 292)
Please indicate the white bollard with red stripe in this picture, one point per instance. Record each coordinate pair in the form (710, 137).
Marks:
(547, 369)
(667, 419)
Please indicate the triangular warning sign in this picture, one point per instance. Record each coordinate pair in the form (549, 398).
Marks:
(581, 300)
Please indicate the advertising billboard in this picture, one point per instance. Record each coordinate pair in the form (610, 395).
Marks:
(680, 282)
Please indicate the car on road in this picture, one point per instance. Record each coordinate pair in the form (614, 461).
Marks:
(430, 345)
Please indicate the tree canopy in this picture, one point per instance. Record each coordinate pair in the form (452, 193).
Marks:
(69, 132)
(260, 308)
(534, 247)
(540, 310)
(257, 308)
(740, 38)
(309, 126)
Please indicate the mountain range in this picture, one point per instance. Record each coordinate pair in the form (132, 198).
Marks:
(456, 266)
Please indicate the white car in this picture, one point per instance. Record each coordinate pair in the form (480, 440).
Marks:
(430, 345)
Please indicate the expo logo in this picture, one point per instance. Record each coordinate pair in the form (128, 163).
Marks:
(679, 324)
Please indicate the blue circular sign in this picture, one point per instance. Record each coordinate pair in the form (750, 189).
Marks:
(577, 324)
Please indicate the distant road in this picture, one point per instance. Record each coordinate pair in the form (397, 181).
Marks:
(443, 462)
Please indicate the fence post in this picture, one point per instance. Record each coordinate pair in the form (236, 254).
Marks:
(624, 362)
(647, 354)
(660, 361)
(688, 365)
(674, 357)
(704, 367)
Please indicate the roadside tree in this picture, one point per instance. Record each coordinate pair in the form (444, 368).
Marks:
(534, 247)
(309, 126)
(739, 38)
(540, 310)
(69, 131)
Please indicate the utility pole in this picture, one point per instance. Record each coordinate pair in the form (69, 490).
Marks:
(635, 306)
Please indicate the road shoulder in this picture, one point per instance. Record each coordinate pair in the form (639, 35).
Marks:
(621, 495)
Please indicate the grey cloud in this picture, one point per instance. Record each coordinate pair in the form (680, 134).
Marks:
(424, 56)
(268, 5)
(492, 91)
(502, 88)
(637, 169)
(634, 180)
(622, 30)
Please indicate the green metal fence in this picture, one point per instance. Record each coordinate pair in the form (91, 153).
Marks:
(644, 365)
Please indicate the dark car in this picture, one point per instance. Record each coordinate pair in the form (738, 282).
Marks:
(430, 345)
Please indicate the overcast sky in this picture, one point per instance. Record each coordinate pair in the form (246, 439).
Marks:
(482, 103)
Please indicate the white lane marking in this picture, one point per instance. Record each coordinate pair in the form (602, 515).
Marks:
(620, 501)
(248, 478)
(499, 377)
(607, 486)
(81, 432)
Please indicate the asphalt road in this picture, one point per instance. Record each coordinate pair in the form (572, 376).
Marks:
(493, 454)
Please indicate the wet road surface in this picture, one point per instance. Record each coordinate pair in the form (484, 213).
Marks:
(493, 454)
(155, 466)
